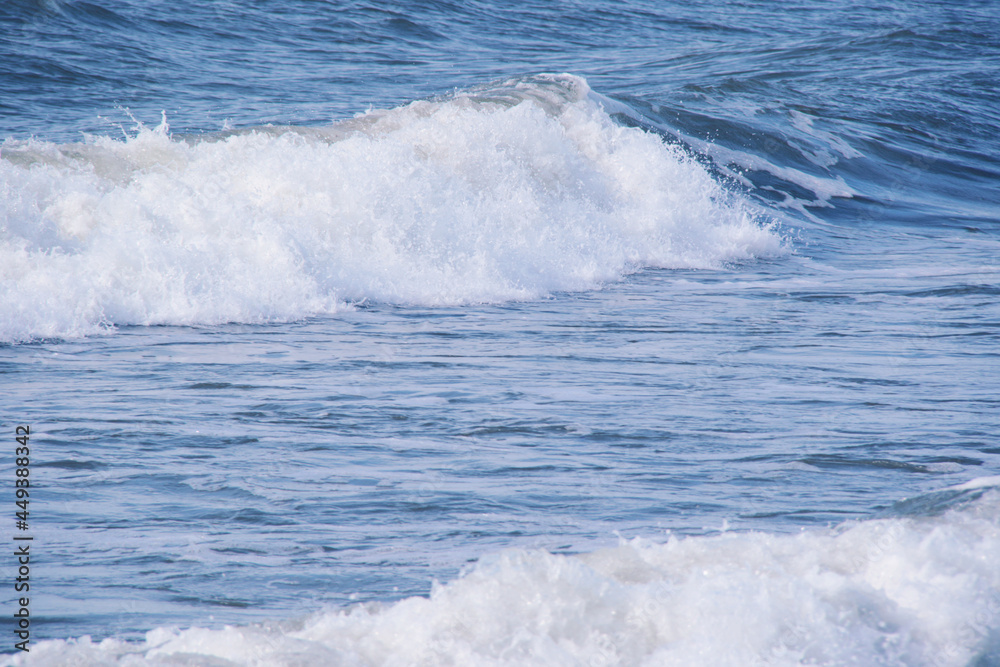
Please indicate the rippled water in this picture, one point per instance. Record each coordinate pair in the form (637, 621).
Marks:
(662, 344)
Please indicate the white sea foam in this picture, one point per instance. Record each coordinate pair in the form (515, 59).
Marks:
(896, 591)
(978, 483)
(509, 192)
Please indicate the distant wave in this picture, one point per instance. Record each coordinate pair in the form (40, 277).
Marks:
(510, 191)
(915, 590)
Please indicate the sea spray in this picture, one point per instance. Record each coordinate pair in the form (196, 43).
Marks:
(507, 192)
(913, 590)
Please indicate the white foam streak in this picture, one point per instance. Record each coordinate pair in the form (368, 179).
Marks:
(900, 591)
(477, 198)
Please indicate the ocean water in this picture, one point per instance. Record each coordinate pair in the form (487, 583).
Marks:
(482, 334)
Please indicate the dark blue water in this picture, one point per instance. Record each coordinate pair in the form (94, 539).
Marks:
(655, 334)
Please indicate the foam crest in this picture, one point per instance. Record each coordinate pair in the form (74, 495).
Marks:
(913, 591)
(509, 192)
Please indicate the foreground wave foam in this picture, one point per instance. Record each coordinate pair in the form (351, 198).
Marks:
(898, 591)
(507, 192)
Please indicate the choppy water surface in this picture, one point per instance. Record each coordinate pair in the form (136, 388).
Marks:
(652, 335)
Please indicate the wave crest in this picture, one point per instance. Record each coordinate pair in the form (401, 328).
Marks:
(510, 191)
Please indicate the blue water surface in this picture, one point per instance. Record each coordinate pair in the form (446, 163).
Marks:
(223, 473)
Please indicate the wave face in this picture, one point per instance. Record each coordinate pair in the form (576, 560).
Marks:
(507, 192)
(914, 589)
